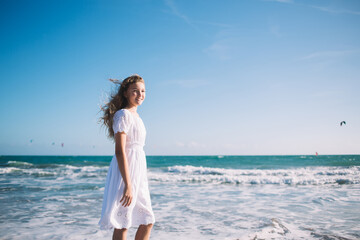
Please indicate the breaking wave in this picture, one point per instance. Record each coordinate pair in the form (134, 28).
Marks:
(296, 176)
(49, 170)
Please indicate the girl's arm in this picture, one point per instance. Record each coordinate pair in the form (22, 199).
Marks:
(120, 141)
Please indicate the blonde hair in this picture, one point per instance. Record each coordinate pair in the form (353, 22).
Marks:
(116, 102)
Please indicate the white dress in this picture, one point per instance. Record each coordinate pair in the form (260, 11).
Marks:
(113, 214)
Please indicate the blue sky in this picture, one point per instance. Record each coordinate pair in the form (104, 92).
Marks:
(222, 77)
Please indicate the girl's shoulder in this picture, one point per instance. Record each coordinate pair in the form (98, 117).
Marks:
(121, 113)
(125, 113)
(121, 121)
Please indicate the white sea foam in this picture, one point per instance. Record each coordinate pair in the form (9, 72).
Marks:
(279, 230)
(248, 204)
(9, 170)
(296, 176)
(32, 171)
(19, 163)
(59, 170)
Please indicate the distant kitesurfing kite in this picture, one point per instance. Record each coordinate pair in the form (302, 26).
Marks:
(342, 123)
(62, 144)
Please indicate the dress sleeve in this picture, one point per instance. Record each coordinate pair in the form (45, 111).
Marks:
(121, 122)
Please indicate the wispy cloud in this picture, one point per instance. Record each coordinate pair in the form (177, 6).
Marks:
(180, 144)
(280, 1)
(275, 30)
(226, 44)
(215, 24)
(188, 83)
(336, 11)
(329, 54)
(191, 144)
(321, 8)
(219, 49)
(326, 94)
(176, 12)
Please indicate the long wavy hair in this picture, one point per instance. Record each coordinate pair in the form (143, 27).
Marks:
(116, 102)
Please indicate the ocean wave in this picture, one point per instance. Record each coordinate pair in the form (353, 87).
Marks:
(58, 170)
(19, 163)
(296, 176)
(9, 170)
(276, 229)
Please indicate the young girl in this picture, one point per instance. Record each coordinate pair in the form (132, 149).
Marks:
(126, 200)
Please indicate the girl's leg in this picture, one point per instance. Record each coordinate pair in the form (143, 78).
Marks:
(119, 234)
(143, 232)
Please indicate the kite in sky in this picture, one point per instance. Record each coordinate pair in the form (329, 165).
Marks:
(342, 123)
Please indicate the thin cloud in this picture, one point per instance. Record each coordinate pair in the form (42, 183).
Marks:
(194, 144)
(326, 94)
(280, 1)
(336, 11)
(219, 49)
(275, 30)
(188, 83)
(175, 11)
(180, 144)
(226, 44)
(191, 144)
(321, 8)
(221, 25)
(329, 54)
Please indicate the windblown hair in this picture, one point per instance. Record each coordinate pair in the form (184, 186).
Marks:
(116, 102)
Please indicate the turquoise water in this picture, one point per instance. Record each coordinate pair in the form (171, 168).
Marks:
(254, 162)
(236, 162)
(201, 197)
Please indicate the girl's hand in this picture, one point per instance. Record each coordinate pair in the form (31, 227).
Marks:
(127, 196)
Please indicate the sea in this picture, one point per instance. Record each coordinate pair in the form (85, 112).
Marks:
(193, 197)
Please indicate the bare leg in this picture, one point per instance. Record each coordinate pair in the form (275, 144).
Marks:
(143, 232)
(119, 234)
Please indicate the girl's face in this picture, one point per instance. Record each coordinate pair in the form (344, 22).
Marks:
(135, 94)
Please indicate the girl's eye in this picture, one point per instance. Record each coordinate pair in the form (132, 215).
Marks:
(138, 91)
